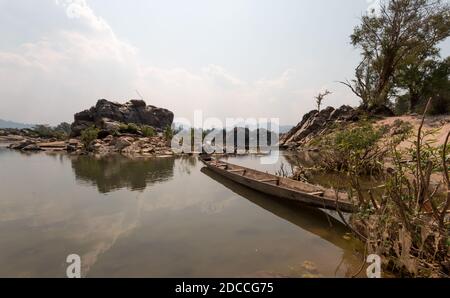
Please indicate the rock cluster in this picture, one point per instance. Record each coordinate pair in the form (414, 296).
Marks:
(38, 144)
(316, 123)
(132, 145)
(108, 116)
(124, 144)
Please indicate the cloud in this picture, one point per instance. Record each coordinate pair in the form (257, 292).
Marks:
(78, 9)
(66, 68)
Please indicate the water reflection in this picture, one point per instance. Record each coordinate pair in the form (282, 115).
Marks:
(161, 218)
(115, 172)
(310, 219)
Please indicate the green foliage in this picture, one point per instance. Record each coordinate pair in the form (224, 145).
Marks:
(423, 80)
(89, 135)
(148, 131)
(358, 139)
(169, 133)
(402, 105)
(43, 131)
(410, 212)
(60, 132)
(64, 128)
(130, 128)
(402, 130)
(354, 150)
(395, 47)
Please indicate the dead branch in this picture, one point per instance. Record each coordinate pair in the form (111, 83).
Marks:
(447, 180)
(419, 170)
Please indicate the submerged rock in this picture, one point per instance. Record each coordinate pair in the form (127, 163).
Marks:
(310, 267)
(32, 147)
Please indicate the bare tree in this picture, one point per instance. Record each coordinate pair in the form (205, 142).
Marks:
(320, 97)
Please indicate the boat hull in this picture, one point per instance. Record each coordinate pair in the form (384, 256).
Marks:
(277, 190)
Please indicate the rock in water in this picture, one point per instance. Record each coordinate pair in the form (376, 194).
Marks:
(32, 147)
(108, 115)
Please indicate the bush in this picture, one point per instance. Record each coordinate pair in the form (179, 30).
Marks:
(148, 131)
(168, 133)
(355, 150)
(88, 135)
(407, 224)
(129, 128)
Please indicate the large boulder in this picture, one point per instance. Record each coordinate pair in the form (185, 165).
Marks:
(315, 123)
(108, 115)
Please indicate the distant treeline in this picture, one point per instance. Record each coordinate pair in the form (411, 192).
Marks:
(239, 137)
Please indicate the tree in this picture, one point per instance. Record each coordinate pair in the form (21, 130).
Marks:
(44, 131)
(63, 127)
(403, 32)
(438, 88)
(320, 97)
(425, 79)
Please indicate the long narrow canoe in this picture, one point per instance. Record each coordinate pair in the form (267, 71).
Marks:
(284, 188)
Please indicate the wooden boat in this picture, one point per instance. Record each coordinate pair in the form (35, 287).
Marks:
(284, 188)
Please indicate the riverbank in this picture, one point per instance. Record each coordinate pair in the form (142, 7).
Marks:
(306, 135)
(404, 218)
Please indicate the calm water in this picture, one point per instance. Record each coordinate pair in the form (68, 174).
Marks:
(156, 218)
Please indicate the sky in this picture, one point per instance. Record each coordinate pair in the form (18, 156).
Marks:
(227, 58)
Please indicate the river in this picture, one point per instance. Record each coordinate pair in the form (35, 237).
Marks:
(166, 217)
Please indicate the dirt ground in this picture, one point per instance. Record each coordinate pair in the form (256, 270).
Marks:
(441, 123)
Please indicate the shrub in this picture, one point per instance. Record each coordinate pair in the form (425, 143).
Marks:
(407, 224)
(148, 131)
(129, 128)
(355, 150)
(88, 135)
(168, 133)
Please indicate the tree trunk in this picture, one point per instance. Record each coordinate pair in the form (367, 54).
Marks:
(414, 100)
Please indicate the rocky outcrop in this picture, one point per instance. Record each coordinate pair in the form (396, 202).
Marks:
(108, 116)
(316, 123)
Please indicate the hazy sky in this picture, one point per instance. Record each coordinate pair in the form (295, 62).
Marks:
(229, 58)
